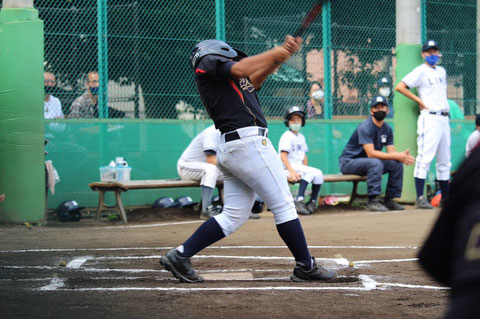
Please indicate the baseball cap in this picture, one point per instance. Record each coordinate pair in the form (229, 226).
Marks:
(427, 45)
(384, 81)
(378, 100)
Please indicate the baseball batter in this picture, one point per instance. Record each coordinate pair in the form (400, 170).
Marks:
(293, 149)
(227, 81)
(433, 127)
(198, 163)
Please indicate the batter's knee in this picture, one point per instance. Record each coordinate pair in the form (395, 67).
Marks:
(230, 220)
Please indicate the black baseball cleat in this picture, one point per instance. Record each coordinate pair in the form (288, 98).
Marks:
(180, 267)
(374, 205)
(303, 273)
(392, 205)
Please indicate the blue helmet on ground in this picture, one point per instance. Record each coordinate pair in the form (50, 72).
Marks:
(69, 211)
(183, 201)
(163, 202)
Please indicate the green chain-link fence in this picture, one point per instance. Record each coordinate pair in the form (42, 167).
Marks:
(140, 49)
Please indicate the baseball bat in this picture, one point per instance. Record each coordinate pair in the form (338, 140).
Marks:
(312, 14)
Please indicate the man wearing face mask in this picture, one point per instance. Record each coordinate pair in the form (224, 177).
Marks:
(433, 125)
(293, 149)
(52, 106)
(85, 106)
(363, 155)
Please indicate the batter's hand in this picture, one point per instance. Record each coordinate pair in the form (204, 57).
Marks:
(293, 177)
(292, 44)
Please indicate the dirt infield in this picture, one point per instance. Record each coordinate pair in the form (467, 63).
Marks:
(100, 269)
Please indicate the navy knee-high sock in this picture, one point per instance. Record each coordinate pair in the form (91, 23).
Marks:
(315, 191)
(444, 188)
(301, 189)
(208, 233)
(419, 183)
(292, 234)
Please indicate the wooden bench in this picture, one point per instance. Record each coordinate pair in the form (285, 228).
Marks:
(119, 187)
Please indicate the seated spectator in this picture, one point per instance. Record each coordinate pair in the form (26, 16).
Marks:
(363, 156)
(293, 149)
(474, 138)
(199, 162)
(52, 107)
(314, 109)
(86, 105)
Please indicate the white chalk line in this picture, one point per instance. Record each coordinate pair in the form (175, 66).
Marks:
(210, 247)
(142, 226)
(361, 262)
(55, 284)
(78, 262)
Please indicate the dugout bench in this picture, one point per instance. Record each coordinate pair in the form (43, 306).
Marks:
(119, 187)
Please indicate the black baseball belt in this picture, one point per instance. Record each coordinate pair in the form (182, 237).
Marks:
(439, 113)
(233, 135)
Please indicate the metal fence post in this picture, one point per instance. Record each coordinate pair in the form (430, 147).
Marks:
(102, 58)
(327, 49)
(220, 19)
(423, 22)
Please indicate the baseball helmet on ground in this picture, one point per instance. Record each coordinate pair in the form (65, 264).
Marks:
(183, 201)
(69, 211)
(215, 47)
(378, 100)
(294, 110)
(163, 202)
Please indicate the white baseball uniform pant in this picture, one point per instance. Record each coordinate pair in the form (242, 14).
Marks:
(206, 173)
(308, 173)
(433, 141)
(251, 165)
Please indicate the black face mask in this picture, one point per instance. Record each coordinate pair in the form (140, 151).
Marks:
(50, 89)
(379, 115)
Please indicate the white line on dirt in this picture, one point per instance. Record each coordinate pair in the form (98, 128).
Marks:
(211, 247)
(412, 286)
(368, 282)
(147, 225)
(361, 262)
(78, 262)
(54, 284)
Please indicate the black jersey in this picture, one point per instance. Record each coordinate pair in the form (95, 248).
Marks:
(231, 103)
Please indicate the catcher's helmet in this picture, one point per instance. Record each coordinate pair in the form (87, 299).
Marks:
(294, 110)
(163, 202)
(215, 47)
(183, 201)
(69, 211)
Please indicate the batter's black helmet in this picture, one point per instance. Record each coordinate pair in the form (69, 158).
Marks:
(294, 110)
(163, 202)
(215, 47)
(69, 211)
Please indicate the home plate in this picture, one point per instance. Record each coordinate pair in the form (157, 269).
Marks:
(228, 276)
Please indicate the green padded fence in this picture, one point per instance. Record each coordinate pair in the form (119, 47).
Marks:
(152, 148)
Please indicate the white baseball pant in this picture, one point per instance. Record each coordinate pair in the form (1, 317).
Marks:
(251, 165)
(433, 141)
(308, 173)
(206, 173)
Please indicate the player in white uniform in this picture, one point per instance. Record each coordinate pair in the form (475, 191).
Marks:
(293, 149)
(227, 81)
(433, 127)
(199, 163)
(474, 138)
